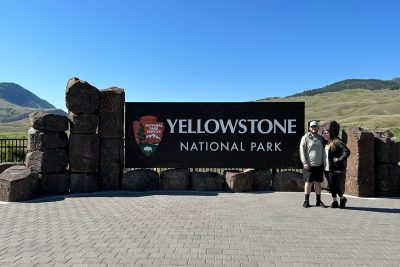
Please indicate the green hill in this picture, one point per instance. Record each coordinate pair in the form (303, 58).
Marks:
(19, 96)
(16, 103)
(369, 84)
(354, 107)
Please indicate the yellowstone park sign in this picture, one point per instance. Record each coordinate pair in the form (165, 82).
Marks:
(225, 135)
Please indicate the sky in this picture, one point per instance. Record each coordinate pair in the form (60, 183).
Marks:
(196, 50)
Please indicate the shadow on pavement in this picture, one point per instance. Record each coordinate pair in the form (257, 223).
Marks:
(115, 194)
(383, 210)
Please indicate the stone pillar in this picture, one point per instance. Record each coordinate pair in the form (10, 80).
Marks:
(111, 134)
(387, 170)
(82, 100)
(360, 179)
(47, 152)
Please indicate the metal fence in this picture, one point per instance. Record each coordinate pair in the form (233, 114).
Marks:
(13, 149)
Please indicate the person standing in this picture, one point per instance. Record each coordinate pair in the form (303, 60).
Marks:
(335, 153)
(311, 148)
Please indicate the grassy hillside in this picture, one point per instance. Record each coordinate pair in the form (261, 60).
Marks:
(16, 129)
(17, 95)
(369, 84)
(355, 107)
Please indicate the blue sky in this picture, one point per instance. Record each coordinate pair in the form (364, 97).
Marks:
(196, 50)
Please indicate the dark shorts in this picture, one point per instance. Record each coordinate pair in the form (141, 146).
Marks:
(314, 174)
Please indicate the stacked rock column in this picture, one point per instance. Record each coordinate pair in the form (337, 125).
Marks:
(111, 134)
(387, 170)
(47, 152)
(360, 179)
(82, 101)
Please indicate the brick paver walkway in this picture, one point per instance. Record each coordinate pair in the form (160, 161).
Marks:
(198, 229)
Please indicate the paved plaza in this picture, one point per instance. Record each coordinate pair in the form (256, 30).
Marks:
(198, 229)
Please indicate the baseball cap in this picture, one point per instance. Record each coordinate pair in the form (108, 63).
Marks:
(313, 124)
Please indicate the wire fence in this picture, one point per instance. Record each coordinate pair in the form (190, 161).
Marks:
(13, 149)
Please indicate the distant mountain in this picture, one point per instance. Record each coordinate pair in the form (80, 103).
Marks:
(396, 80)
(16, 103)
(368, 84)
(17, 95)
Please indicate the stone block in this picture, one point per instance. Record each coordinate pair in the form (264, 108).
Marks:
(387, 147)
(206, 181)
(288, 181)
(262, 180)
(53, 183)
(50, 161)
(83, 123)
(110, 164)
(175, 179)
(111, 113)
(44, 121)
(5, 165)
(140, 180)
(81, 97)
(18, 183)
(237, 181)
(83, 153)
(83, 182)
(360, 179)
(387, 180)
(45, 140)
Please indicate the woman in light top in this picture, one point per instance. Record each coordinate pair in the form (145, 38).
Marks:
(334, 155)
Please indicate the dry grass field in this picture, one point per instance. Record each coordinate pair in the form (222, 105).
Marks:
(354, 108)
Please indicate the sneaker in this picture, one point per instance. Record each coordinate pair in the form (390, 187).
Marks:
(334, 205)
(343, 202)
(321, 204)
(306, 204)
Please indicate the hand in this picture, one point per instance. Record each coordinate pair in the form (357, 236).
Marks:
(306, 167)
(335, 159)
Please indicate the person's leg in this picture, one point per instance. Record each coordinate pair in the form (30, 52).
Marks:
(336, 178)
(318, 178)
(307, 187)
(334, 186)
(307, 191)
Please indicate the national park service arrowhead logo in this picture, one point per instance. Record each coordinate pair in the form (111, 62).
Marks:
(148, 134)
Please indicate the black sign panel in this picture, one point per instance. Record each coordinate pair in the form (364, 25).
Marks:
(213, 135)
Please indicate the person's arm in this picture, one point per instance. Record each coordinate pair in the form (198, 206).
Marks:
(303, 153)
(345, 151)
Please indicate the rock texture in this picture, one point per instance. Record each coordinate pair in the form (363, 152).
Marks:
(140, 180)
(83, 153)
(239, 181)
(45, 140)
(54, 183)
(111, 113)
(387, 180)
(360, 179)
(50, 161)
(43, 121)
(110, 164)
(18, 183)
(262, 180)
(81, 97)
(83, 123)
(83, 182)
(206, 181)
(175, 179)
(288, 181)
